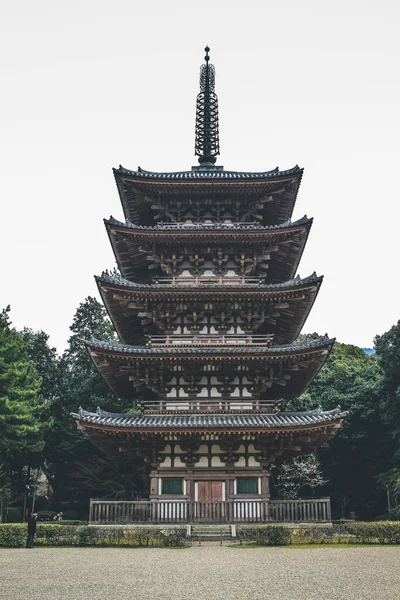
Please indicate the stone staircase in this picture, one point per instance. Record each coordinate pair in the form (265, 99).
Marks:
(211, 533)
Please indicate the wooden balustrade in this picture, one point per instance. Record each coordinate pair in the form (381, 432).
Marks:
(234, 511)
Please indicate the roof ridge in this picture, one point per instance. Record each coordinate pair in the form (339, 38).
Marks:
(207, 226)
(207, 174)
(296, 281)
(308, 343)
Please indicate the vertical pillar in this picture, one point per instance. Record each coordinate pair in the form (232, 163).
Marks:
(265, 493)
(154, 479)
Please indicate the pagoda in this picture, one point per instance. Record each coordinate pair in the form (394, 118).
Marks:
(208, 308)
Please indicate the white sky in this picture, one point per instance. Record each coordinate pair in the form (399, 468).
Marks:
(88, 85)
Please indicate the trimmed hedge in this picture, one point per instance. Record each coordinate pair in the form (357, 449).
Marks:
(57, 534)
(267, 535)
(351, 532)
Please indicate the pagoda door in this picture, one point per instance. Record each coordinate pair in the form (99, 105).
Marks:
(210, 504)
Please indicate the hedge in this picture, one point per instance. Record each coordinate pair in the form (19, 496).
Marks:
(267, 535)
(14, 536)
(354, 532)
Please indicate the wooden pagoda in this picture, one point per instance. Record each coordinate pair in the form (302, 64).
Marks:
(207, 309)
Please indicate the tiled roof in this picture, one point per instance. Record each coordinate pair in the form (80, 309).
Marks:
(216, 174)
(118, 348)
(205, 227)
(120, 281)
(210, 421)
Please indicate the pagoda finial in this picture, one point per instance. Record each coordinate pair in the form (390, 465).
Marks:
(207, 133)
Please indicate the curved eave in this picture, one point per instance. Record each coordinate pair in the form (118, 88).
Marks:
(116, 349)
(118, 363)
(267, 423)
(134, 187)
(212, 231)
(118, 295)
(127, 241)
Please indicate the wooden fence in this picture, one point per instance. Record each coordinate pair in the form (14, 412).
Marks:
(234, 511)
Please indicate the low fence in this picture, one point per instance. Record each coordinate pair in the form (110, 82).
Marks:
(234, 511)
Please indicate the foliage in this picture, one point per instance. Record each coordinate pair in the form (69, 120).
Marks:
(20, 400)
(12, 535)
(13, 515)
(267, 535)
(68, 454)
(297, 474)
(384, 532)
(5, 490)
(361, 449)
(388, 352)
(57, 534)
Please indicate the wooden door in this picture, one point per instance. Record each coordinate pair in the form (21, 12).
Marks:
(210, 491)
(210, 506)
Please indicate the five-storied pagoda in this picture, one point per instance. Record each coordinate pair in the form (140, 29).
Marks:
(207, 311)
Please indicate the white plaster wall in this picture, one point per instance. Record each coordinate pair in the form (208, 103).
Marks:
(203, 462)
(253, 462)
(215, 449)
(217, 462)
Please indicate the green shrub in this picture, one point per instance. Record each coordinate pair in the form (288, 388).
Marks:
(13, 535)
(173, 537)
(57, 534)
(54, 534)
(267, 535)
(318, 535)
(14, 515)
(383, 532)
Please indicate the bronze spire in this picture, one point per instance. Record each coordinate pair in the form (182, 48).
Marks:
(207, 133)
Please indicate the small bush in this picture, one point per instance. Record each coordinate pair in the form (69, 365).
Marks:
(55, 535)
(318, 535)
(14, 515)
(173, 537)
(13, 535)
(383, 532)
(267, 535)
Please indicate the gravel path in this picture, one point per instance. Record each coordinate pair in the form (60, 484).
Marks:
(203, 573)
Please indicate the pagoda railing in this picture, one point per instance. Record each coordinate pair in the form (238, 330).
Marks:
(234, 511)
(209, 340)
(204, 225)
(208, 281)
(199, 405)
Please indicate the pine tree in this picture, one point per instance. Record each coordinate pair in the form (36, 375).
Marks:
(20, 400)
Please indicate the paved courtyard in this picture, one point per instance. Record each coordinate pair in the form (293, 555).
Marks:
(206, 572)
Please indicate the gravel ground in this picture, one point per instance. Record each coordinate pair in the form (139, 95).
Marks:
(206, 572)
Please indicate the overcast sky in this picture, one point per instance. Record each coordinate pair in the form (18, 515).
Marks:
(89, 85)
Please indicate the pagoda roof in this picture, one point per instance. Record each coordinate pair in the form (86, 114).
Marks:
(117, 294)
(213, 422)
(205, 228)
(122, 364)
(134, 187)
(107, 280)
(206, 173)
(127, 239)
(300, 347)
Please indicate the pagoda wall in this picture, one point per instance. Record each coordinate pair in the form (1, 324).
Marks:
(211, 465)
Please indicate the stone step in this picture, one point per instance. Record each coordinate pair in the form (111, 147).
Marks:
(212, 532)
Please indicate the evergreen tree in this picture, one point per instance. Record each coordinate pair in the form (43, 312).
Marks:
(22, 412)
(20, 400)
